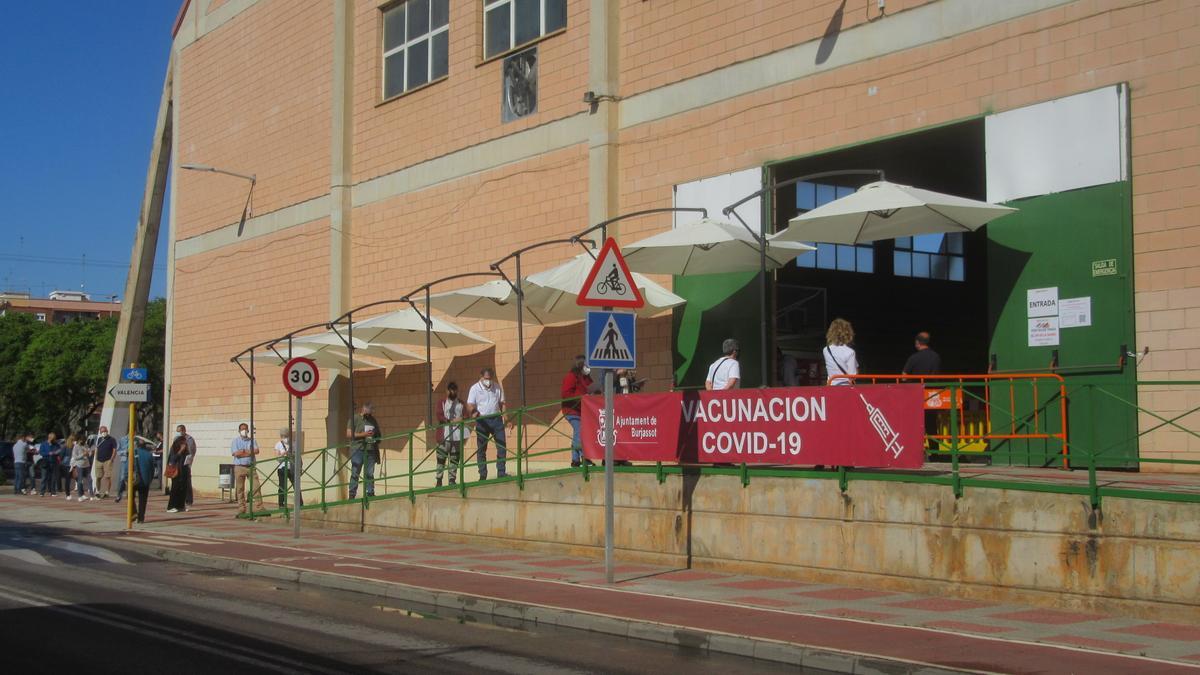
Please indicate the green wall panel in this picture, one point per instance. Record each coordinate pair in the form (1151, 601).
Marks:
(718, 306)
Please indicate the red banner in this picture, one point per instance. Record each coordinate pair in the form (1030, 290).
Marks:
(647, 427)
(861, 426)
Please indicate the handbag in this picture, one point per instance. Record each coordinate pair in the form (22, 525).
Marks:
(171, 471)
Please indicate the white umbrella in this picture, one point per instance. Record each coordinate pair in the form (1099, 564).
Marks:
(707, 246)
(333, 358)
(549, 296)
(405, 326)
(884, 210)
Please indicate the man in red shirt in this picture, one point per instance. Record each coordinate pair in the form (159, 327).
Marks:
(575, 385)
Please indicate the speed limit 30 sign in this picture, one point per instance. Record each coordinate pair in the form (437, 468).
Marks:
(300, 376)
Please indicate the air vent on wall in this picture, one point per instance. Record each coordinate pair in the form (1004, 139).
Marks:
(519, 88)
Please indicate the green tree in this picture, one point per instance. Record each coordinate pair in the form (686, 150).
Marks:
(16, 332)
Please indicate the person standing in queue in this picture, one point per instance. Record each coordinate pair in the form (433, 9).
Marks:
(924, 361)
(180, 474)
(102, 463)
(143, 473)
(243, 448)
(840, 358)
(575, 385)
(50, 451)
(485, 402)
(364, 434)
(725, 372)
(450, 433)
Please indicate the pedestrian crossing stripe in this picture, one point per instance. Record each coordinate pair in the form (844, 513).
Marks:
(610, 340)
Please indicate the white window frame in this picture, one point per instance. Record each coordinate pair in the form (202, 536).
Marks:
(512, 26)
(428, 37)
(40, 316)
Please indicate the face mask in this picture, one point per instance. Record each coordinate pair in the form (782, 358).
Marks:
(487, 383)
(103, 434)
(624, 382)
(587, 370)
(244, 433)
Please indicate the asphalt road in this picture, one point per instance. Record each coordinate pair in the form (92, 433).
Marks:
(69, 605)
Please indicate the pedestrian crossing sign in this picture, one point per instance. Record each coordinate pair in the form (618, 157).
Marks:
(611, 340)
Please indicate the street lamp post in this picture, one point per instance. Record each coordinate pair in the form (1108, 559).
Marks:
(250, 177)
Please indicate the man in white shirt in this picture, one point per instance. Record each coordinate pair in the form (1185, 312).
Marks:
(725, 372)
(485, 402)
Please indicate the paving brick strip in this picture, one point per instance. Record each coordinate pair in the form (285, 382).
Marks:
(409, 571)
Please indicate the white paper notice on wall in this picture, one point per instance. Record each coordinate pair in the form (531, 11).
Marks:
(1042, 302)
(1043, 332)
(1075, 312)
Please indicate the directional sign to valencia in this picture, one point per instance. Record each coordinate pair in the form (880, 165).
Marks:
(128, 392)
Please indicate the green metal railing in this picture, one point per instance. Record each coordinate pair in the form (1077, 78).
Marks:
(540, 432)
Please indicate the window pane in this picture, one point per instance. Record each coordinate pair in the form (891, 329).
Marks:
(529, 20)
(920, 264)
(866, 259)
(393, 28)
(556, 15)
(956, 269)
(902, 264)
(845, 258)
(807, 259)
(938, 267)
(827, 256)
(806, 196)
(843, 191)
(904, 243)
(418, 18)
(825, 194)
(929, 243)
(441, 55)
(954, 242)
(393, 74)
(418, 64)
(497, 35)
(439, 13)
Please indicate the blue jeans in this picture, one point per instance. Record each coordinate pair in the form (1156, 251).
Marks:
(49, 477)
(18, 477)
(357, 459)
(122, 476)
(576, 443)
(83, 480)
(493, 427)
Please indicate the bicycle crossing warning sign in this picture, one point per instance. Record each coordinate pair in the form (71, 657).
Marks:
(611, 340)
(610, 283)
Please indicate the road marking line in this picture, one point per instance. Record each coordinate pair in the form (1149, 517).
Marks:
(88, 550)
(26, 555)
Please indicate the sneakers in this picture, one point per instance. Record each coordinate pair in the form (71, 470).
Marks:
(84, 498)
(172, 510)
(69, 498)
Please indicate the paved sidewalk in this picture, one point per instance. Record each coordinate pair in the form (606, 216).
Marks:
(832, 627)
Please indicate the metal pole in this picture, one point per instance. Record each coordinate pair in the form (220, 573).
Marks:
(253, 463)
(296, 469)
(765, 344)
(609, 437)
(291, 426)
(521, 329)
(429, 364)
(132, 453)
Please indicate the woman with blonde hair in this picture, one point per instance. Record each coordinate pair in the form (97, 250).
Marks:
(840, 358)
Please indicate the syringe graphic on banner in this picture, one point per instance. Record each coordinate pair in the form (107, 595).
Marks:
(890, 437)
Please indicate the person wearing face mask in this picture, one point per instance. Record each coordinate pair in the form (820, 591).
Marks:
(102, 468)
(485, 402)
(575, 385)
(283, 473)
(243, 448)
(450, 433)
(364, 434)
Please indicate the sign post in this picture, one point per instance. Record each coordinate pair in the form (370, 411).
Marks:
(300, 378)
(610, 342)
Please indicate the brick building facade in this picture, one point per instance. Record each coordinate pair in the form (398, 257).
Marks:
(362, 196)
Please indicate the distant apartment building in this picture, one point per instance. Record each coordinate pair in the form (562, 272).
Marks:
(59, 307)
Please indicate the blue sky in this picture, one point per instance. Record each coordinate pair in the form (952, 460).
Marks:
(82, 80)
